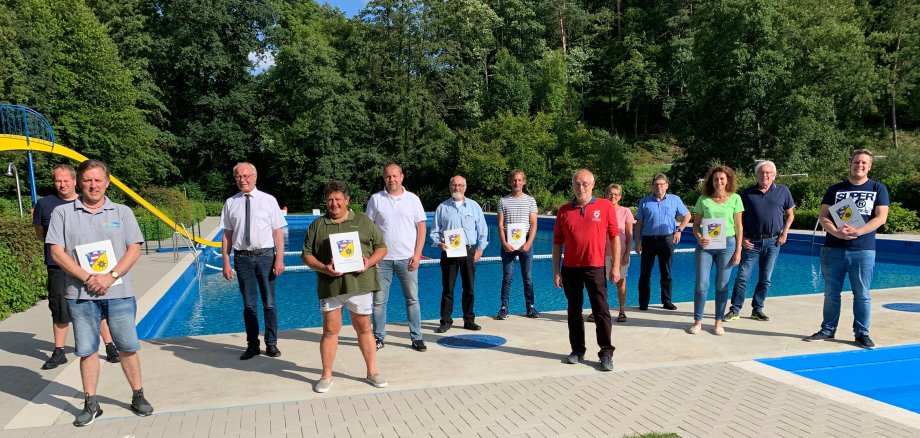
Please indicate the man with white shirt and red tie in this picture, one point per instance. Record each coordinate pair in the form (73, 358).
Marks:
(252, 223)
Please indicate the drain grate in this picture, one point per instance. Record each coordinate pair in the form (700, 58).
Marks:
(903, 307)
(470, 342)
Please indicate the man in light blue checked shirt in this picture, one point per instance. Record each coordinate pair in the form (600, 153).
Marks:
(454, 213)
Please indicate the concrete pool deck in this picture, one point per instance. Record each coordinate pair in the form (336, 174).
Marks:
(665, 379)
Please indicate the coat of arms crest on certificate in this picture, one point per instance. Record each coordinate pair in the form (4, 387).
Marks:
(98, 260)
(346, 248)
(715, 230)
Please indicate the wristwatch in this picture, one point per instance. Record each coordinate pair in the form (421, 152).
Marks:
(114, 275)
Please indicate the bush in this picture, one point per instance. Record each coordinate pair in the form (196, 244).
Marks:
(905, 188)
(806, 218)
(900, 219)
(213, 208)
(22, 270)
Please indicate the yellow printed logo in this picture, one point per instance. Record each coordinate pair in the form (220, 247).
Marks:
(346, 248)
(98, 260)
(454, 240)
(715, 230)
(845, 213)
(517, 233)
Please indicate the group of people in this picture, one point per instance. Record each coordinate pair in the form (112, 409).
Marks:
(592, 238)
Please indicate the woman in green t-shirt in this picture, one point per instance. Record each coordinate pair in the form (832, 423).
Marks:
(718, 201)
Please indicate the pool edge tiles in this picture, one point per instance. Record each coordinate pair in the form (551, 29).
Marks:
(885, 374)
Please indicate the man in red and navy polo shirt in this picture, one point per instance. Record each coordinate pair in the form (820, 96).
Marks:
(582, 229)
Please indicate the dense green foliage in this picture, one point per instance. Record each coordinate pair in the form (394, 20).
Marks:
(168, 92)
(22, 274)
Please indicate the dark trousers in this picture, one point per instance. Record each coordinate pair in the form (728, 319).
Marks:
(663, 248)
(574, 281)
(256, 277)
(449, 268)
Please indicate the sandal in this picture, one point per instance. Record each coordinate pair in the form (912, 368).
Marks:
(621, 318)
(590, 318)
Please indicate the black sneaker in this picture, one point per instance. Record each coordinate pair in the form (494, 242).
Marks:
(139, 404)
(757, 315)
(111, 353)
(574, 358)
(669, 306)
(607, 363)
(470, 325)
(91, 411)
(272, 351)
(57, 358)
(251, 352)
(532, 312)
(443, 328)
(731, 315)
(379, 343)
(864, 342)
(502, 313)
(818, 336)
(419, 345)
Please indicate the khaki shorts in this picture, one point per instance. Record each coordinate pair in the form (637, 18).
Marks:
(361, 303)
(624, 269)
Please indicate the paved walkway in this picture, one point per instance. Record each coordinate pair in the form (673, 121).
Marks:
(665, 380)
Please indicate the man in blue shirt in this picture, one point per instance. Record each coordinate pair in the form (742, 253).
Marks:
(459, 212)
(656, 234)
(851, 250)
(765, 231)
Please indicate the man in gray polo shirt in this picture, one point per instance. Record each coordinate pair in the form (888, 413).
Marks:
(87, 237)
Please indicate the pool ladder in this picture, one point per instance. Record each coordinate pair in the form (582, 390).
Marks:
(182, 239)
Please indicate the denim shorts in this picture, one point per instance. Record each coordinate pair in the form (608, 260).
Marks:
(88, 314)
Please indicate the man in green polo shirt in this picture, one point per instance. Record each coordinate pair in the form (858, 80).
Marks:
(336, 289)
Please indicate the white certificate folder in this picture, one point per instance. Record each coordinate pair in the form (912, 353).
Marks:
(847, 212)
(714, 230)
(98, 258)
(346, 252)
(456, 242)
(516, 235)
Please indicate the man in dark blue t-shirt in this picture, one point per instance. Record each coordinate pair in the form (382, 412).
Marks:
(765, 230)
(851, 250)
(65, 183)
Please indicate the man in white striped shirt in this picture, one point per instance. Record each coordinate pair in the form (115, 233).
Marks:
(517, 228)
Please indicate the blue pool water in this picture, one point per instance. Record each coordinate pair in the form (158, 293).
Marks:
(887, 374)
(217, 307)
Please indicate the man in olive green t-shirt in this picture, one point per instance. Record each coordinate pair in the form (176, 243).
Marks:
(337, 289)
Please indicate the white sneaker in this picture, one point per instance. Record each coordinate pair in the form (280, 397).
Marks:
(323, 385)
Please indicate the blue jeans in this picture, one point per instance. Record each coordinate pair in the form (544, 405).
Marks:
(526, 260)
(87, 315)
(836, 263)
(764, 254)
(409, 281)
(256, 278)
(705, 260)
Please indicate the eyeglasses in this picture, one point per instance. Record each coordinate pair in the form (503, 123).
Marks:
(580, 183)
(243, 177)
(614, 194)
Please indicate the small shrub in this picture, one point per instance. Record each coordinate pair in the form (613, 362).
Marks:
(905, 188)
(22, 270)
(900, 219)
(806, 218)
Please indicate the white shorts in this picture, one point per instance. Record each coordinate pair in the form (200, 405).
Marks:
(624, 269)
(361, 303)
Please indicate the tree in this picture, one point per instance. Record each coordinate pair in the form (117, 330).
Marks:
(509, 90)
(75, 78)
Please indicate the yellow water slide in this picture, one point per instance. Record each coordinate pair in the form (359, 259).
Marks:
(19, 143)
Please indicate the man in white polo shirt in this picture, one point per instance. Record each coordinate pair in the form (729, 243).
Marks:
(401, 219)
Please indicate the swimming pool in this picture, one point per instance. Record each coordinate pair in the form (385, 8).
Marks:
(217, 306)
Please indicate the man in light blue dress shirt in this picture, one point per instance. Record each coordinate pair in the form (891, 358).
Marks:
(459, 212)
